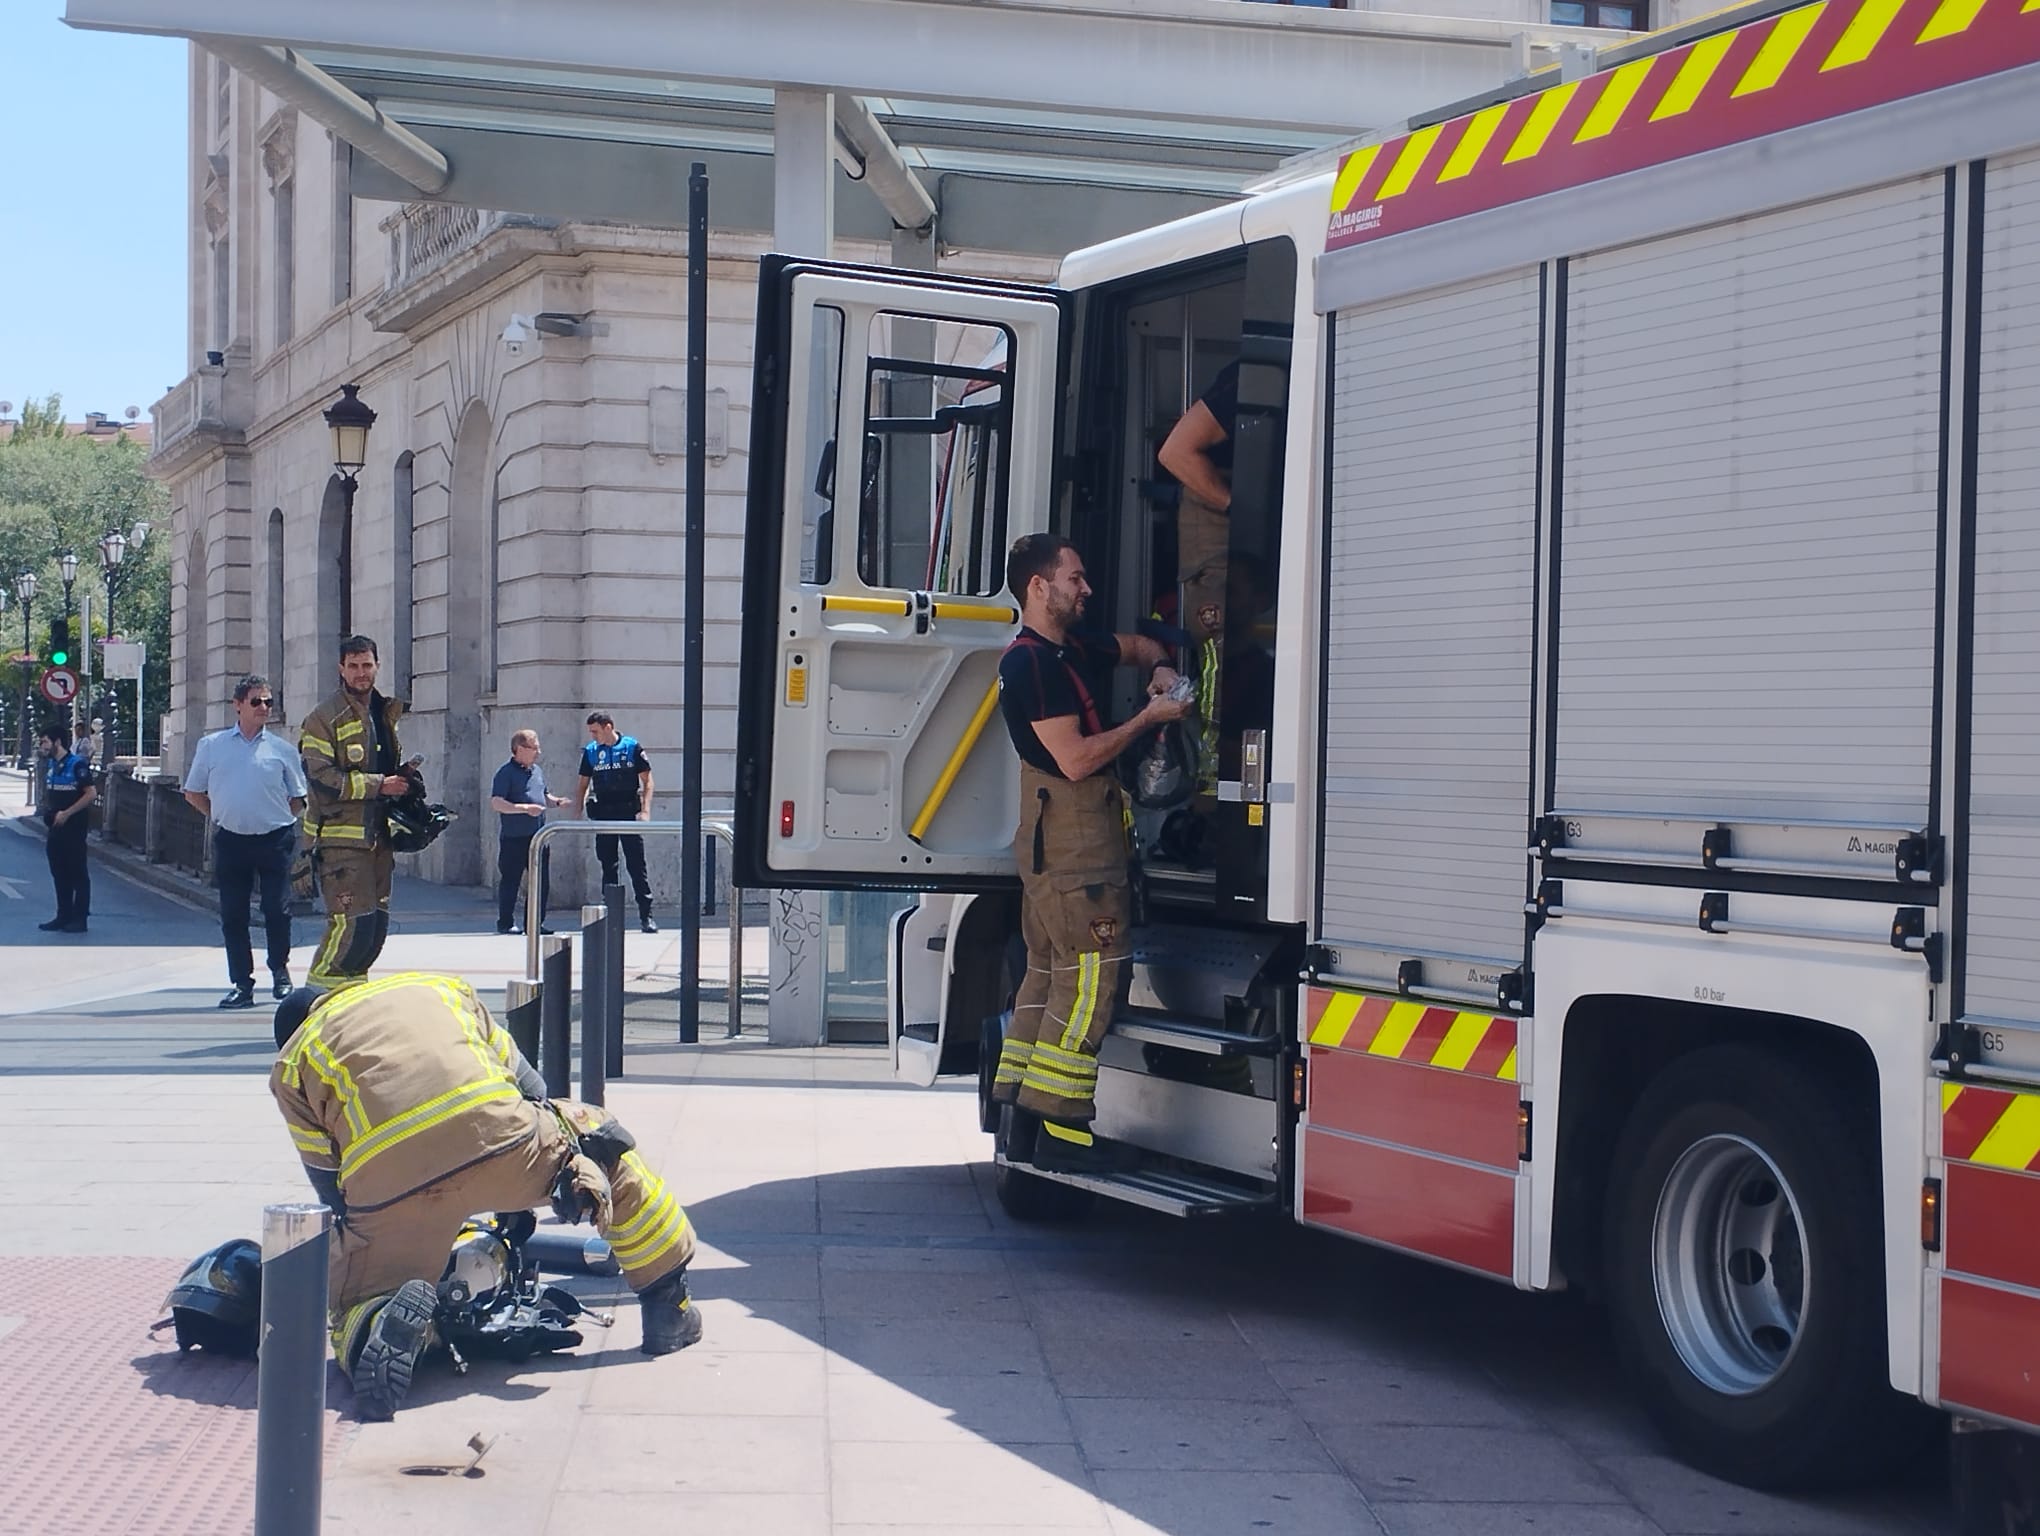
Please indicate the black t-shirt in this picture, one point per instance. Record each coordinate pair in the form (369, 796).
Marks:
(1223, 401)
(1042, 681)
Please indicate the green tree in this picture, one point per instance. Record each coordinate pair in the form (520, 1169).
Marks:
(39, 419)
(58, 493)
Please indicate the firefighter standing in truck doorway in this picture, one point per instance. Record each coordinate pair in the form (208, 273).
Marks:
(1075, 902)
(352, 757)
(411, 1109)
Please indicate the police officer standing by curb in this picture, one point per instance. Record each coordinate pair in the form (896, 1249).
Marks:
(252, 786)
(351, 760)
(1076, 905)
(616, 785)
(68, 794)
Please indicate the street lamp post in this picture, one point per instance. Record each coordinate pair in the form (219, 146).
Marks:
(349, 420)
(24, 588)
(113, 548)
(67, 566)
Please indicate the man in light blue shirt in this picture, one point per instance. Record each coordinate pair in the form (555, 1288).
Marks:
(252, 785)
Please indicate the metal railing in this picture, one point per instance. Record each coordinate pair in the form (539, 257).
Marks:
(534, 915)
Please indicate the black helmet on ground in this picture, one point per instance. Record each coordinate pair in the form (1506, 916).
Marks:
(216, 1303)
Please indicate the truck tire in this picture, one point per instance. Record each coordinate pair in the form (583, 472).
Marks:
(1745, 1265)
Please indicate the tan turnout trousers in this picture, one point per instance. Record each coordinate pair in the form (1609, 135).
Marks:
(354, 883)
(374, 1252)
(1076, 915)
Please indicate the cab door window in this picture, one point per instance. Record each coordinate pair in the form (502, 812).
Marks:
(932, 492)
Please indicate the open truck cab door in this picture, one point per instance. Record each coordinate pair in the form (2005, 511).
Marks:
(903, 435)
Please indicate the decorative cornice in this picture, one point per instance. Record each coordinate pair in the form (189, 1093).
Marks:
(279, 144)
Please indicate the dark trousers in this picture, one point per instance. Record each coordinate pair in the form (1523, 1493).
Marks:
(512, 856)
(633, 855)
(68, 872)
(242, 859)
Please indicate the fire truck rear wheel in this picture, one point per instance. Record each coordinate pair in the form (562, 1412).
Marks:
(1745, 1274)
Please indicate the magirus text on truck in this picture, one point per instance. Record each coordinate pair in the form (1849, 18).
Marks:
(1624, 856)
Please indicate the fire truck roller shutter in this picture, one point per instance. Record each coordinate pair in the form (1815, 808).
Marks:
(1428, 652)
(2002, 969)
(1751, 449)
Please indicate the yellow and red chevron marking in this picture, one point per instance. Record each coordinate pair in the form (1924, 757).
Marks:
(1820, 61)
(1995, 1127)
(1476, 1043)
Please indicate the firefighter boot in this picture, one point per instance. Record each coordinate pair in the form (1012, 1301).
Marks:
(672, 1321)
(1066, 1147)
(399, 1334)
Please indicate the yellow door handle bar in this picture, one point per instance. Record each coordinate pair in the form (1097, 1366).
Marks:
(954, 766)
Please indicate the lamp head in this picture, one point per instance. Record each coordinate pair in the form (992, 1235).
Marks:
(349, 421)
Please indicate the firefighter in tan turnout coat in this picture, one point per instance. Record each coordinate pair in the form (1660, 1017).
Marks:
(412, 1110)
(351, 757)
(1076, 911)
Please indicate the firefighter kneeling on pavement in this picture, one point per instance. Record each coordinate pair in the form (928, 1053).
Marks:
(412, 1110)
(1076, 908)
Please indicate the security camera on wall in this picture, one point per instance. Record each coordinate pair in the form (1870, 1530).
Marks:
(518, 334)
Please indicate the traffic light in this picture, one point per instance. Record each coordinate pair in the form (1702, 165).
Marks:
(58, 652)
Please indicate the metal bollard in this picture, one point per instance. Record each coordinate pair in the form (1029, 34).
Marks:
(521, 1014)
(556, 1017)
(290, 1390)
(594, 1002)
(612, 960)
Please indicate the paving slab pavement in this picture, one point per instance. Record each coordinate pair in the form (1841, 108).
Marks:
(885, 1350)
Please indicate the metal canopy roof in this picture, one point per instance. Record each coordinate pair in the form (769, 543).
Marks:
(1033, 125)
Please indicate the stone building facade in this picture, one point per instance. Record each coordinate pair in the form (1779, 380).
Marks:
(515, 543)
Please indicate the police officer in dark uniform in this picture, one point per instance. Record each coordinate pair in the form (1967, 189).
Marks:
(616, 785)
(67, 803)
(1076, 911)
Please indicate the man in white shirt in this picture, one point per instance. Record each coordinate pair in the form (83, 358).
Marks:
(252, 785)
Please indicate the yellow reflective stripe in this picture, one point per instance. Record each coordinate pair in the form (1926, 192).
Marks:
(338, 1078)
(357, 785)
(1952, 19)
(1416, 150)
(1396, 1029)
(339, 832)
(1332, 1024)
(2015, 1140)
(1507, 1071)
(1863, 34)
(1480, 132)
(1543, 119)
(666, 1215)
(310, 1141)
(1462, 1040)
(655, 1191)
(347, 728)
(1351, 174)
(1041, 1074)
(433, 1112)
(1950, 1092)
(655, 1245)
(307, 741)
(1787, 34)
(1694, 74)
(1070, 1133)
(1088, 966)
(1614, 100)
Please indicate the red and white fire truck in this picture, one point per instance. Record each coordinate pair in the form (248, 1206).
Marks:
(1625, 867)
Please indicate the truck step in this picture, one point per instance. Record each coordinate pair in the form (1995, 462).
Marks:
(1171, 1191)
(1205, 1039)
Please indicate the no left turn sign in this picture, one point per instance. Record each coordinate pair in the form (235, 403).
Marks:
(59, 685)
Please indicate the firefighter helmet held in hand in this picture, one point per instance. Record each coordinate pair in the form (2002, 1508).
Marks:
(415, 825)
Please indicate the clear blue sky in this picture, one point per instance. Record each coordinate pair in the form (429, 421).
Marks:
(93, 207)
